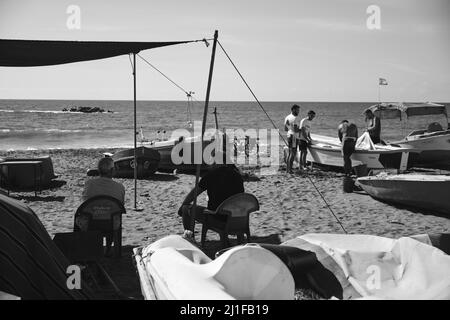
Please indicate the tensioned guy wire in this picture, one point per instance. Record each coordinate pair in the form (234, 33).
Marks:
(251, 91)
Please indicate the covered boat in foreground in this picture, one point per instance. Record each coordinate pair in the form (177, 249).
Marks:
(342, 266)
(432, 142)
(174, 269)
(427, 192)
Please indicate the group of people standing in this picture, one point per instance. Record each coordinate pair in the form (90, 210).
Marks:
(299, 136)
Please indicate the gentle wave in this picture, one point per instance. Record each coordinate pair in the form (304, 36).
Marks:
(97, 146)
(52, 111)
(34, 131)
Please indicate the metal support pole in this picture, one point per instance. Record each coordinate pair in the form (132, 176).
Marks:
(134, 133)
(205, 114)
(379, 94)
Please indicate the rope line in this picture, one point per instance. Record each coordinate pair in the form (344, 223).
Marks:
(259, 103)
(131, 62)
(164, 75)
(328, 206)
(251, 91)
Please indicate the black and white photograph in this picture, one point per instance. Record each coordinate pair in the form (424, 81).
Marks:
(224, 154)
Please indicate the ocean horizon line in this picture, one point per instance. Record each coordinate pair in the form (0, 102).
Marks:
(228, 101)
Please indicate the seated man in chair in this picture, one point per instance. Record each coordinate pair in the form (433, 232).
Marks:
(220, 183)
(104, 185)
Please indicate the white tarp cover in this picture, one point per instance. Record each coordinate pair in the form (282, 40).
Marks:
(364, 142)
(382, 268)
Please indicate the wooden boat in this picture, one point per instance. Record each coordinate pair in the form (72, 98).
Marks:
(429, 192)
(147, 162)
(433, 143)
(327, 151)
(172, 268)
(172, 154)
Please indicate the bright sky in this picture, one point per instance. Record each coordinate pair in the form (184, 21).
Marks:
(288, 50)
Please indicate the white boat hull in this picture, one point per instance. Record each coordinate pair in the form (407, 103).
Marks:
(174, 269)
(327, 151)
(434, 148)
(429, 192)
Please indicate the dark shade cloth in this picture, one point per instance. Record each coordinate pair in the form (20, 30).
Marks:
(220, 184)
(31, 265)
(31, 53)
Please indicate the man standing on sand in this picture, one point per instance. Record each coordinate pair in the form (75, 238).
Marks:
(348, 134)
(292, 125)
(373, 126)
(104, 185)
(305, 137)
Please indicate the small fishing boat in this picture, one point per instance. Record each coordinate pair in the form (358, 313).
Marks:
(429, 192)
(172, 268)
(147, 162)
(326, 150)
(173, 157)
(433, 143)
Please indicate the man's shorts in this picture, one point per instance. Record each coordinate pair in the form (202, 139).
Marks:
(201, 216)
(348, 147)
(303, 145)
(292, 142)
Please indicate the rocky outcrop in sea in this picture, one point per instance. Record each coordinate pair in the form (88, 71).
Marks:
(86, 109)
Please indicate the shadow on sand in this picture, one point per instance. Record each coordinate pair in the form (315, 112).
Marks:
(162, 177)
(416, 210)
(124, 274)
(39, 198)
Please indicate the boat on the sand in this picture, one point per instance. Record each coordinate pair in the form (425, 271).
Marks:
(147, 162)
(432, 142)
(428, 192)
(172, 268)
(326, 150)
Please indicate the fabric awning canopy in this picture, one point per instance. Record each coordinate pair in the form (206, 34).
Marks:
(395, 110)
(33, 53)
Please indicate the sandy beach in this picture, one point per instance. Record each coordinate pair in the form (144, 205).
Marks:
(290, 206)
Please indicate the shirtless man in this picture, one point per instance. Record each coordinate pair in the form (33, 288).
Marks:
(305, 137)
(292, 125)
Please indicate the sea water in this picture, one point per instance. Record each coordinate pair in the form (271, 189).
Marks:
(41, 124)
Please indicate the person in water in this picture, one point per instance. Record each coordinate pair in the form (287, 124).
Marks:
(373, 126)
(305, 137)
(220, 182)
(348, 134)
(292, 125)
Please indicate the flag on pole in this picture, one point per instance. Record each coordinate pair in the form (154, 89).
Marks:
(382, 82)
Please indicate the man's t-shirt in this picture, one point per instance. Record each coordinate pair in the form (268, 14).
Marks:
(220, 184)
(375, 128)
(305, 123)
(290, 121)
(105, 187)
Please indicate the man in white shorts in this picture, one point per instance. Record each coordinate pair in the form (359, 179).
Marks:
(305, 137)
(292, 125)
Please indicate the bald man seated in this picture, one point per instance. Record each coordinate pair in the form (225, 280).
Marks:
(104, 185)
